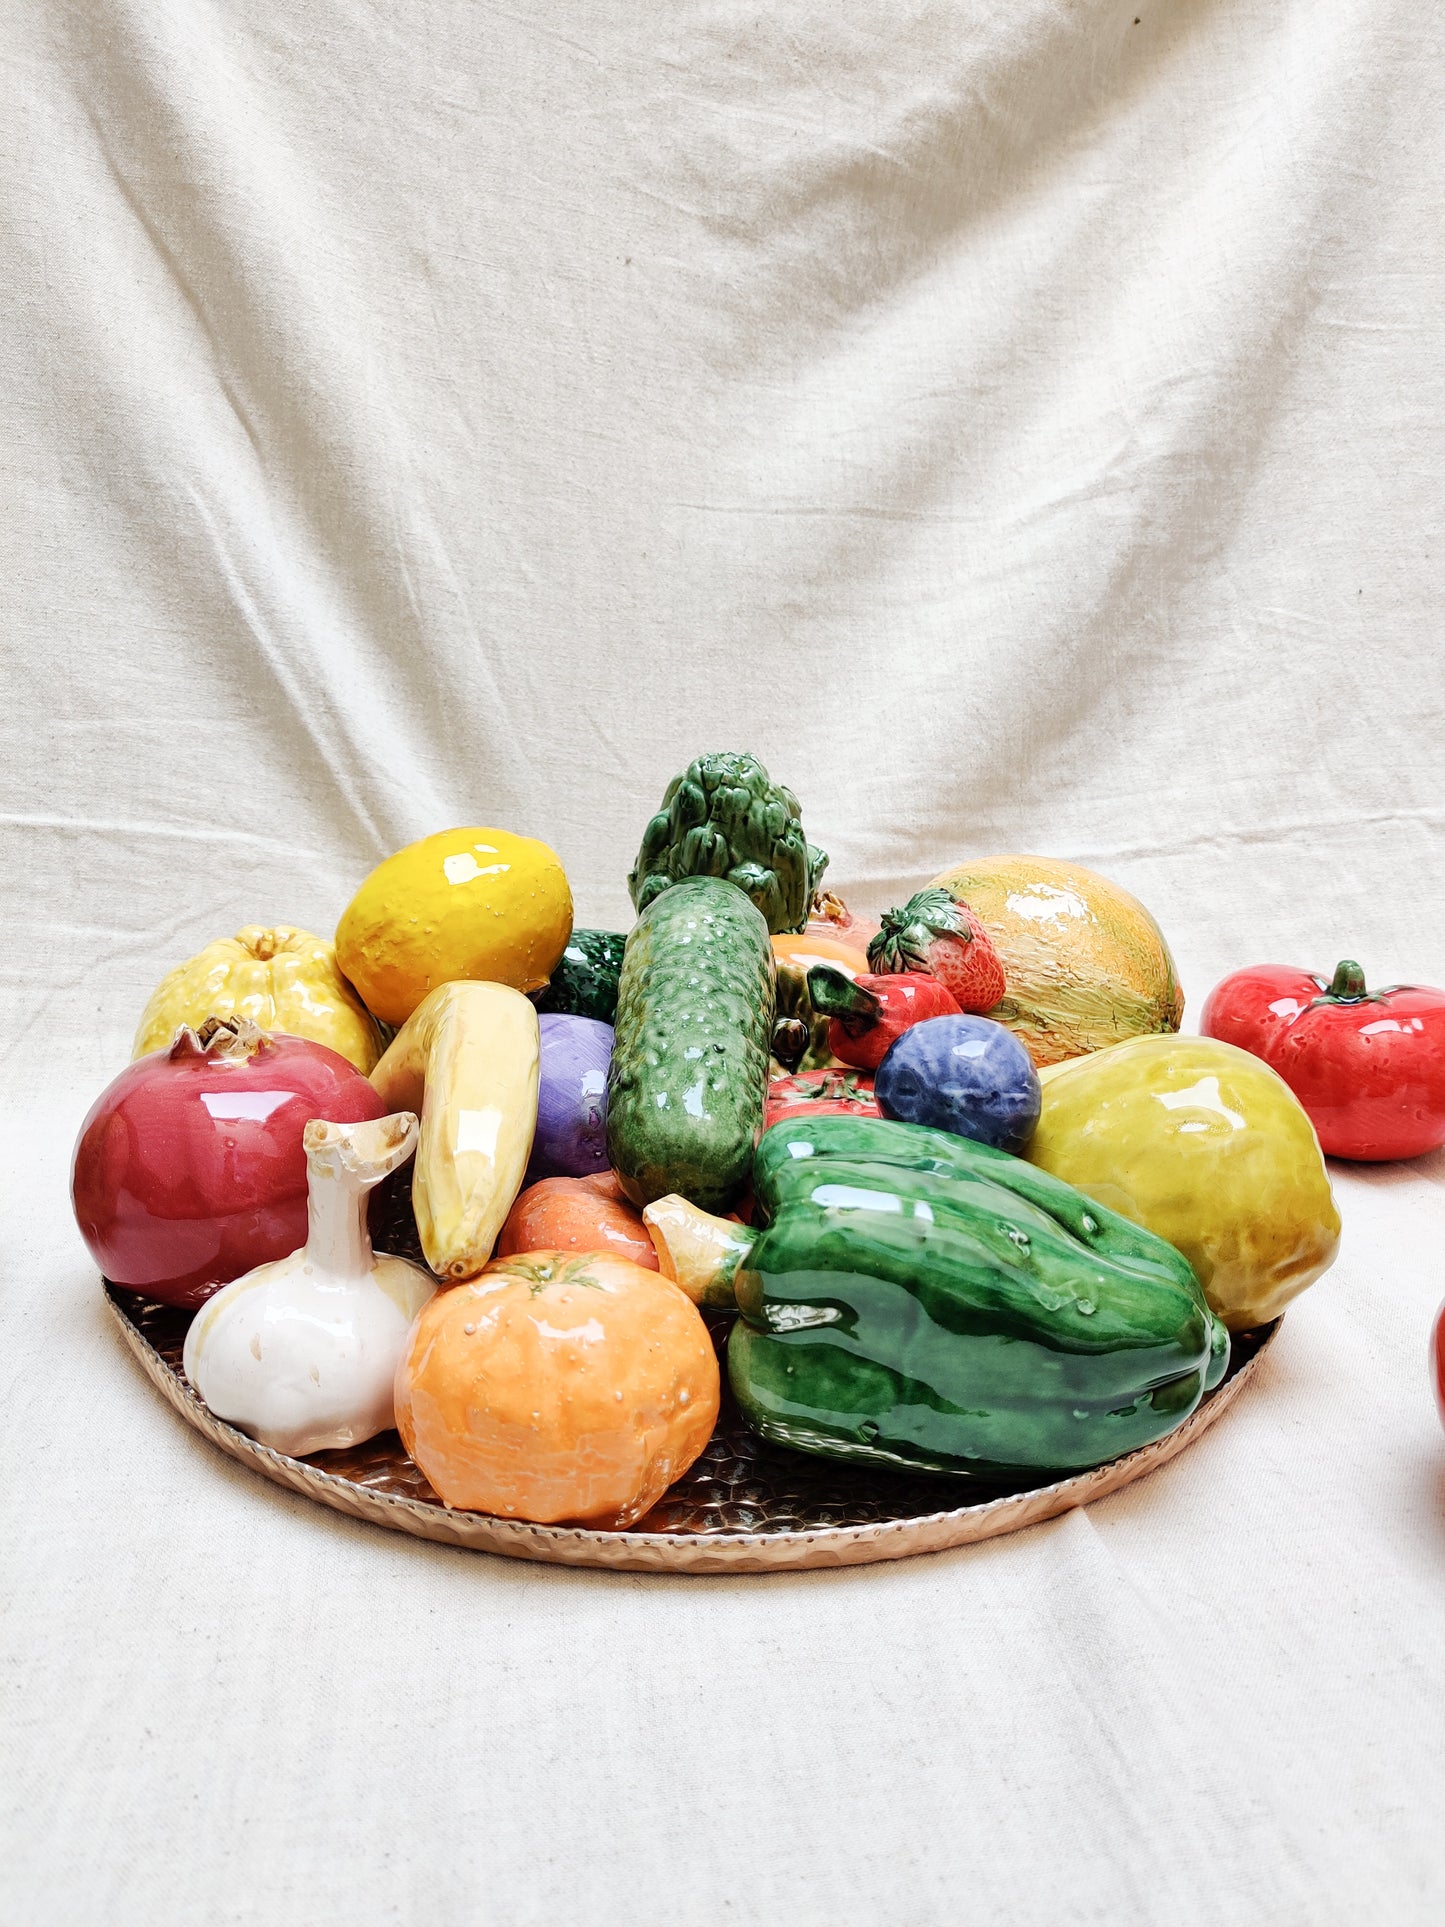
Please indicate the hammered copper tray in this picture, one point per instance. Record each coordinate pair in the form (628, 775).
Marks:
(746, 1506)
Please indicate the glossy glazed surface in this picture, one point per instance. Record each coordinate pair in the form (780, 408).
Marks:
(558, 1385)
(819, 1093)
(689, 1073)
(919, 1300)
(1207, 1147)
(1085, 963)
(467, 1059)
(584, 984)
(278, 978)
(964, 1074)
(466, 905)
(571, 1139)
(936, 931)
(189, 1168)
(302, 1353)
(1368, 1068)
(867, 1014)
(577, 1214)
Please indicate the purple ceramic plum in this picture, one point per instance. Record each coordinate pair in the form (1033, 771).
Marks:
(963, 1074)
(571, 1140)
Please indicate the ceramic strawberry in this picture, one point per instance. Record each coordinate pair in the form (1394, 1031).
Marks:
(938, 933)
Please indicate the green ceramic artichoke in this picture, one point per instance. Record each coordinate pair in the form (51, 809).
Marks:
(724, 817)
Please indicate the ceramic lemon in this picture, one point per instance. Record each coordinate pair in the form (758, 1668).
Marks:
(464, 905)
(1085, 963)
(279, 978)
(1205, 1146)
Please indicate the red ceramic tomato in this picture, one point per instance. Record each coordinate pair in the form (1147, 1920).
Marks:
(190, 1170)
(816, 1093)
(1437, 1361)
(1368, 1066)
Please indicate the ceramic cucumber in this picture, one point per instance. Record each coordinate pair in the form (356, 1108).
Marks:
(689, 1074)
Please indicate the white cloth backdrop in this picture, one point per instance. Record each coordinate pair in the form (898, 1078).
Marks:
(1021, 425)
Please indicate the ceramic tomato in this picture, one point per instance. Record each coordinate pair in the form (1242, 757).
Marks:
(1437, 1361)
(867, 1013)
(577, 1214)
(1367, 1065)
(815, 1093)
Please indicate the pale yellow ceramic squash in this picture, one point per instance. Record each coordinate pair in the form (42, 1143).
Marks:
(280, 978)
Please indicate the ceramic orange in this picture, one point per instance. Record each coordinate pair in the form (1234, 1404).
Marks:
(807, 950)
(558, 1386)
(1086, 965)
(577, 1214)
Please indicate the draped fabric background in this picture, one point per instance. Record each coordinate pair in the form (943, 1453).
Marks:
(1022, 426)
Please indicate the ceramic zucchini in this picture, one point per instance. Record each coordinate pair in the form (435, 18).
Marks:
(918, 1300)
(689, 1073)
(467, 1061)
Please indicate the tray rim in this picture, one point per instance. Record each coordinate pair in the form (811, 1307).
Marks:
(695, 1553)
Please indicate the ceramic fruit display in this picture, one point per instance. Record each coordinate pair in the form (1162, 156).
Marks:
(1085, 963)
(1208, 1148)
(558, 1385)
(1367, 1065)
(190, 1166)
(472, 905)
(920, 1250)
(302, 1352)
(913, 1299)
(276, 977)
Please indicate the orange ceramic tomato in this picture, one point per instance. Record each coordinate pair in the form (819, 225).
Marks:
(558, 1385)
(807, 950)
(577, 1214)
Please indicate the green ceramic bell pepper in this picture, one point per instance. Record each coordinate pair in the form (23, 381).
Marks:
(918, 1300)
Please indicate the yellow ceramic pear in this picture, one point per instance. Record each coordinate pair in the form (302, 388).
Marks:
(1205, 1146)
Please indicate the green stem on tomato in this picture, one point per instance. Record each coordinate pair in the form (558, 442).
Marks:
(1347, 986)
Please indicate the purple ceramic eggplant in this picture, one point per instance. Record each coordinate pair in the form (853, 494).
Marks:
(571, 1140)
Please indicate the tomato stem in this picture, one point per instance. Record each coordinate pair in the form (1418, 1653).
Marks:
(1347, 986)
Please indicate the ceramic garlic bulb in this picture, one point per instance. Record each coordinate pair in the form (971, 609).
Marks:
(302, 1353)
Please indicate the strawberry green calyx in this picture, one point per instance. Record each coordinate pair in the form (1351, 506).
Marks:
(903, 942)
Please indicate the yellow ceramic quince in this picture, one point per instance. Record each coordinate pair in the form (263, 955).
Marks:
(465, 905)
(1205, 1146)
(280, 978)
